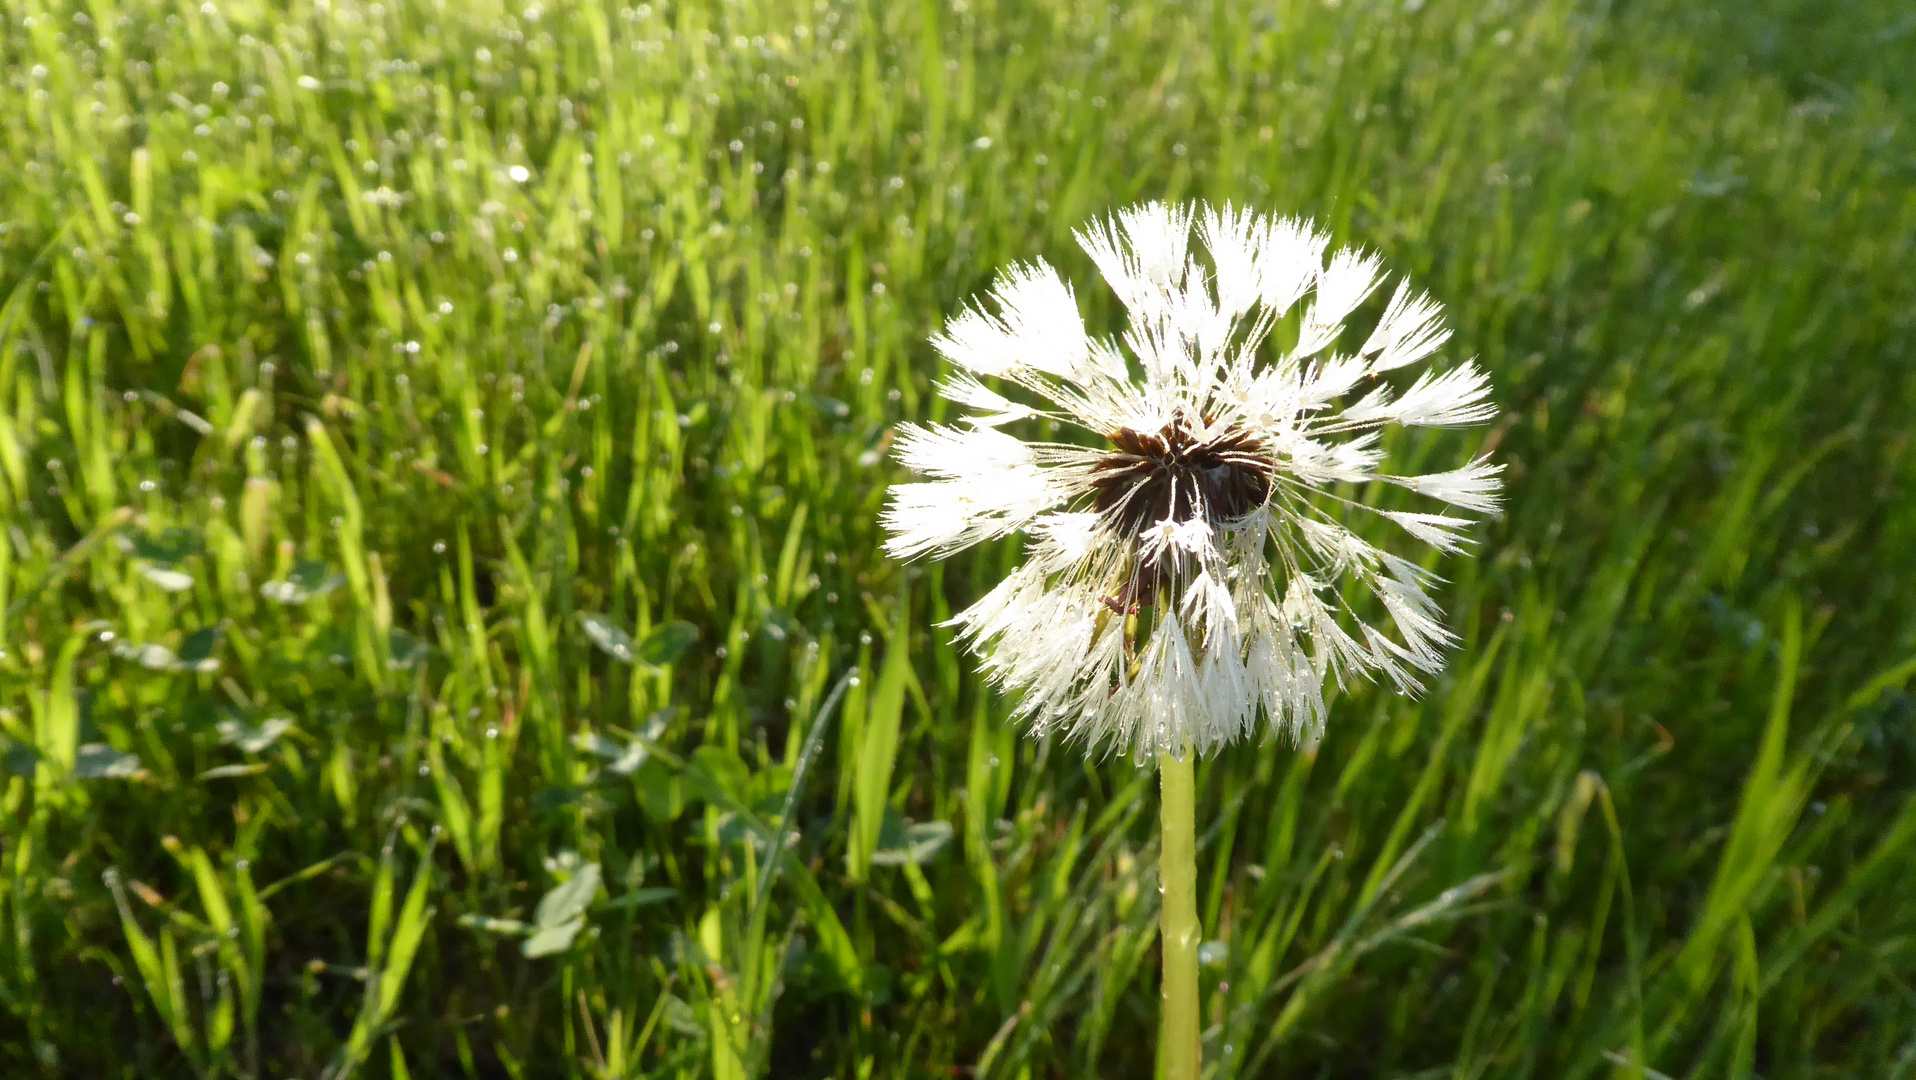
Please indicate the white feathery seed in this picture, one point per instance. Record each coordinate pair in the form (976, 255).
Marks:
(1187, 575)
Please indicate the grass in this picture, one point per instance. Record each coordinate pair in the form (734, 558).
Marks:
(443, 633)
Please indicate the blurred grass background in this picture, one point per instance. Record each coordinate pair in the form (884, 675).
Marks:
(439, 458)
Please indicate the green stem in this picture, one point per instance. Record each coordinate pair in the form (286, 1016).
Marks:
(1180, 1054)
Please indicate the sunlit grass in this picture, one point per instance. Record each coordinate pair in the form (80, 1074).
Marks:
(501, 397)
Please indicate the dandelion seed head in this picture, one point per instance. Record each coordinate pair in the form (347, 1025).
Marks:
(1187, 580)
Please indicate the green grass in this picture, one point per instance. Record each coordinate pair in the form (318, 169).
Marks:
(317, 409)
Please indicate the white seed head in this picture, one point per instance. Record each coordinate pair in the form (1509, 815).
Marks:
(1187, 576)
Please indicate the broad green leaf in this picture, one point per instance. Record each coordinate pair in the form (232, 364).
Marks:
(661, 792)
(569, 899)
(333, 645)
(169, 546)
(495, 926)
(98, 761)
(719, 766)
(196, 652)
(218, 772)
(253, 739)
(668, 643)
(682, 1018)
(149, 656)
(20, 759)
(638, 898)
(609, 638)
(552, 939)
(405, 650)
(308, 580)
(916, 843)
(622, 760)
(167, 577)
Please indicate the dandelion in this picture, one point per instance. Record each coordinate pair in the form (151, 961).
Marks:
(1191, 556)
(1222, 502)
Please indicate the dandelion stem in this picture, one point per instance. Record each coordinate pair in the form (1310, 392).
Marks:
(1180, 1055)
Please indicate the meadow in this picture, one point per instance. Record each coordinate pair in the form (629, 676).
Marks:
(443, 627)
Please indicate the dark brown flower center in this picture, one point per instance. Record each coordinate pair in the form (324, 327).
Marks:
(1147, 478)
